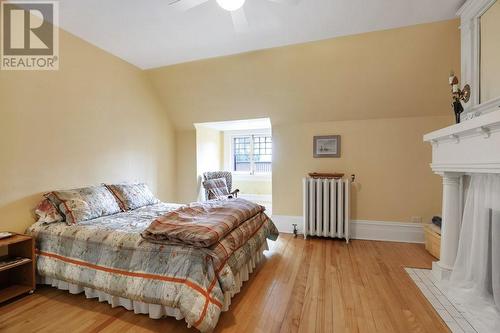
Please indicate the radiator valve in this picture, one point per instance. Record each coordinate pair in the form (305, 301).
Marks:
(295, 230)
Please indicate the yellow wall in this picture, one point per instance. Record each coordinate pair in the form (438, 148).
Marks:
(490, 53)
(95, 120)
(391, 163)
(396, 78)
(253, 186)
(99, 119)
(209, 147)
(186, 181)
(209, 153)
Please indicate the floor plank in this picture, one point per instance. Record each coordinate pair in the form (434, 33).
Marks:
(314, 285)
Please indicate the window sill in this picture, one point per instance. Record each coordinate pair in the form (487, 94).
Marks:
(255, 177)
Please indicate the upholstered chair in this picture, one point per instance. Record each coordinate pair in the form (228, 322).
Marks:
(218, 184)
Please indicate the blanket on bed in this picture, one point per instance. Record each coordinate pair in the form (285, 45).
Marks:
(108, 254)
(201, 224)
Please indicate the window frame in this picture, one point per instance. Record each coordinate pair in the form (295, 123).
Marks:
(229, 137)
(250, 153)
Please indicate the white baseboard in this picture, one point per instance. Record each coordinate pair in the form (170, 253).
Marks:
(363, 229)
(387, 231)
(285, 223)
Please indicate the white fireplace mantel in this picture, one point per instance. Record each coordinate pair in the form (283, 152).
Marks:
(469, 147)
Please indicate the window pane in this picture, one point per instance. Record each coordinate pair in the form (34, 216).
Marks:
(242, 166)
(262, 154)
(241, 151)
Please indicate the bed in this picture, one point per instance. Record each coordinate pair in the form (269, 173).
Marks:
(107, 258)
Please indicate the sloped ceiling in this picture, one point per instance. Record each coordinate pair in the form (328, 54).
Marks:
(151, 33)
(392, 73)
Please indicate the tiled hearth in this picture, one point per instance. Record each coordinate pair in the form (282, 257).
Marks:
(458, 319)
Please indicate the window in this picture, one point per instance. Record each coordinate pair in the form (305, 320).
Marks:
(242, 159)
(252, 154)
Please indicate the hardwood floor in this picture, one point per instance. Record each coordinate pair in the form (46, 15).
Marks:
(317, 285)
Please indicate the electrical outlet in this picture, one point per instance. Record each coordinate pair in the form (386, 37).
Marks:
(416, 219)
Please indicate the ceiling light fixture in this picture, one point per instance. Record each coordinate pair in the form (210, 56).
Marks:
(231, 5)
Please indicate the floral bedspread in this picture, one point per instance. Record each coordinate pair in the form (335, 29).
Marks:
(109, 254)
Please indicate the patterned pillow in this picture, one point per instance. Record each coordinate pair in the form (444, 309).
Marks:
(217, 188)
(46, 212)
(84, 203)
(133, 196)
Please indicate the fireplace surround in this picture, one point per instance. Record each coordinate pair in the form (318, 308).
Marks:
(467, 157)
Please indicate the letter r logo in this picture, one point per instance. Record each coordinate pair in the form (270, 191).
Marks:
(27, 28)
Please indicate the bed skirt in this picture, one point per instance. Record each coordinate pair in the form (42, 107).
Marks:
(155, 311)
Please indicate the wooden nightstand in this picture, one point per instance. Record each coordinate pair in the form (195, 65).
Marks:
(18, 277)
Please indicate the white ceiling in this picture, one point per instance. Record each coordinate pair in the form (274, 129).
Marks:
(150, 33)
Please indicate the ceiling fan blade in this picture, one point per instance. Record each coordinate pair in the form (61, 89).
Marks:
(184, 5)
(240, 20)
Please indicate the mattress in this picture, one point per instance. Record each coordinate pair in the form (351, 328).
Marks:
(107, 255)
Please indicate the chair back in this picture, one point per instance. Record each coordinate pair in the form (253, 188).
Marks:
(215, 175)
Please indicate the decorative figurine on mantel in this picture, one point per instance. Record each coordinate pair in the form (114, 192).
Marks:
(458, 96)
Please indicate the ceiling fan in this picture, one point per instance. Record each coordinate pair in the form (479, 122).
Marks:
(235, 7)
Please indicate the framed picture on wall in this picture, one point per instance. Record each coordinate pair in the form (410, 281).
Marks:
(326, 146)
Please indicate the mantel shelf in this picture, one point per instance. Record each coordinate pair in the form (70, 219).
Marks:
(482, 125)
(469, 147)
